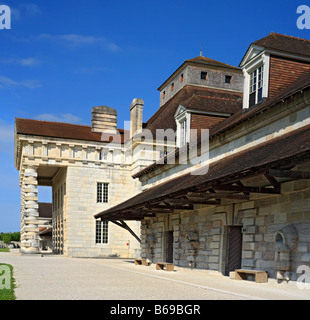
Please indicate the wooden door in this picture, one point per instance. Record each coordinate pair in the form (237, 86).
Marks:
(234, 248)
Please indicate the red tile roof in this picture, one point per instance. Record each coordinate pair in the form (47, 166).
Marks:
(202, 62)
(61, 130)
(196, 98)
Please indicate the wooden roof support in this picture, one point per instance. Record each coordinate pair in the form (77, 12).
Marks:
(175, 202)
(274, 182)
(289, 174)
(197, 195)
(124, 225)
(245, 189)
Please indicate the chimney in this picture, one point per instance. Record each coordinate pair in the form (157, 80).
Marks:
(136, 116)
(104, 119)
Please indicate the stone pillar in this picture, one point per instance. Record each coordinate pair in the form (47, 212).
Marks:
(30, 211)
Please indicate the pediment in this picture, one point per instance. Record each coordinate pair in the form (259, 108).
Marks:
(180, 110)
(252, 52)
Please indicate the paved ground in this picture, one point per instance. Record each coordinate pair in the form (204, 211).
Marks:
(61, 278)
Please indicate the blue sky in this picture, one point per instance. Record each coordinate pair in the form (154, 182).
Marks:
(61, 58)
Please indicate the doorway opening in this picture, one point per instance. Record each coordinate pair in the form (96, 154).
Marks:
(234, 248)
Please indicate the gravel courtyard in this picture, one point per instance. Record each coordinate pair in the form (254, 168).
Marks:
(55, 277)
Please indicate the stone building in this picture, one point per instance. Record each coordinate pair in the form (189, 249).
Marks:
(88, 170)
(246, 201)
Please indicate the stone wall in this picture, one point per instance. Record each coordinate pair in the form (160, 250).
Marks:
(81, 206)
(276, 233)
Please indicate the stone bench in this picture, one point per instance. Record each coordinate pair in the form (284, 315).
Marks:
(165, 266)
(142, 262)
(260, 276)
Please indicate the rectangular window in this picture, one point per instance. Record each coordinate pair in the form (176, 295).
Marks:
(102, 231)
(183, 133)
(181, 78)
(204, 75)
(102, 192)
(103, 155)
(227, 79)
(256, 86)
(164, 94)
(172, 86)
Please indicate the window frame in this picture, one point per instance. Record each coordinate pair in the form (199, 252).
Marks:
(183, 121)
(256, 84)
(102, 232)
(102, 192)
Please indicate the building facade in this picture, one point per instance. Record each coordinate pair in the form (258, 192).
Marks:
(246, 202)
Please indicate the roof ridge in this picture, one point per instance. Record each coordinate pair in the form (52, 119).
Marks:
(58, 122)
(65, 123)
(287, 36)
(202, 57)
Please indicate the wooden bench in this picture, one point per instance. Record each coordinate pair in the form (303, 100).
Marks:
(165, 266)
(142, 262)
(260, 276)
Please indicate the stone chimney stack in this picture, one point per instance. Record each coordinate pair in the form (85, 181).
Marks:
(136, 116)
(104, 119)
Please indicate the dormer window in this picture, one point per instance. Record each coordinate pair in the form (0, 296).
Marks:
(256, 86)
(183, 133)
(182, 118)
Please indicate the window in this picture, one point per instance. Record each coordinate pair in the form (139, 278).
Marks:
(204, 75)
(181, 78)
(183, 133)
(102, 192)
(102, 228)
(103, 155)
(172, 86)
(227, 79)
(164, 94)
(256, 86)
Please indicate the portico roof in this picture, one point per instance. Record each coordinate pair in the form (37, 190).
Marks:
(273, 160)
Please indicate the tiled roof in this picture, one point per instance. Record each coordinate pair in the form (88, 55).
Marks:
(196, 98)
(211, 62)
(243, 115)
(285, 43)
(271, 154)
(60, 130)
(301, 84)
(202, 62)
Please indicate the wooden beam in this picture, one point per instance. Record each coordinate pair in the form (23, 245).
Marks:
(196, 195)
(175, 202)
(274, 182)
(172, 207)
(245, 189)
(124, 225)
(289, 174)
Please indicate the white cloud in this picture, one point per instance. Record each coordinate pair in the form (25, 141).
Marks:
(6, 82)
(28, 62)
(24, 62)
(25, 10)
(64, 117)
(74, 40)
